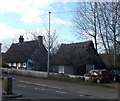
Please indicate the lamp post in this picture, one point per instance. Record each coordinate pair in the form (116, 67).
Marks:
(48, 60)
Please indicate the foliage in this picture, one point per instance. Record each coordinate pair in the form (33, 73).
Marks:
(60, 77)
(66, 78)
(100, 21)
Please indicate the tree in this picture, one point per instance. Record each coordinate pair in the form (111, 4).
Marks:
(54, 44)
(101, 21)
(108, 21)
(85, 20)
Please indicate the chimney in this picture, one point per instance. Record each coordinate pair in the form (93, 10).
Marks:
(40, 40)
(21, 39)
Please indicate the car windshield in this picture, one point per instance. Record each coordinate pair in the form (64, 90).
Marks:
(93, 71)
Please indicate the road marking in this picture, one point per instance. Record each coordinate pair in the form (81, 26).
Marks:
(92, 97)
(35, 88)
(81, 95)
(30, 98)
(42, 89)
(26, 98)
(37, 84)
(60, 92)
(19, 98)
(22, 86)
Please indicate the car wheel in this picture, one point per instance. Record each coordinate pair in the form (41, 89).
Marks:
(98, 81)
(114, 79)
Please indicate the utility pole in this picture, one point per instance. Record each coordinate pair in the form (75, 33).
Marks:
(48, 60)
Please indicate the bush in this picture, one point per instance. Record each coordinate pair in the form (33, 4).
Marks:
(90, 81)
(63, 77)
(60, 77)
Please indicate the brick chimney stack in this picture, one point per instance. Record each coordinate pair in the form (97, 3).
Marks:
(21, 39)
(40, 40)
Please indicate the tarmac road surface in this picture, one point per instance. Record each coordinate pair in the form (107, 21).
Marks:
(34, 88)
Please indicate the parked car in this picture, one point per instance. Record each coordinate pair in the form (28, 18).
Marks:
(98, 76)
(115, 75)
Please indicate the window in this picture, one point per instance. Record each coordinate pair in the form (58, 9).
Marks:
(61, 69)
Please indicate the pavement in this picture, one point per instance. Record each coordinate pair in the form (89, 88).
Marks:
(87, 90)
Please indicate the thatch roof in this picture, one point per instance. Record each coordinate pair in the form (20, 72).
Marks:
(21, 52)
(77, 54)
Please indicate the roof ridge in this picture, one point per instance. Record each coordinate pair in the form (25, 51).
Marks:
(24, 42)
(77, 42)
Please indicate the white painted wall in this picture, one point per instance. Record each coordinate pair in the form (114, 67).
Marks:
(9, 64)
(14, 64)
(24, 65)
(18, 65)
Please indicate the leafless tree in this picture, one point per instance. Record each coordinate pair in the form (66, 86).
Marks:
(85, 20)
(54, 44)
(108, 21)
(100, 21)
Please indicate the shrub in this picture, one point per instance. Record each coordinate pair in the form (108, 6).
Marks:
(78, 79)
(60, 77)
(63, 77)
(89, 81)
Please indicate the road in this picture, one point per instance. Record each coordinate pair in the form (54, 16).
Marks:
(32, 91)
(37, 92)
(34, 88)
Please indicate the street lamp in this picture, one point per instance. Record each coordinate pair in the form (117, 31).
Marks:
(48, 60)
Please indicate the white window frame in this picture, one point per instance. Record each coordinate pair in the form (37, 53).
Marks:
(61, 69)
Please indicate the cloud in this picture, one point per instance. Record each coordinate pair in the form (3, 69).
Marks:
(57, 20)
(29, 10)
(8, 32)
(31, 16)
(23, 6)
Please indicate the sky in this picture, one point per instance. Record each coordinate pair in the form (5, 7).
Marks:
(18, 17)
